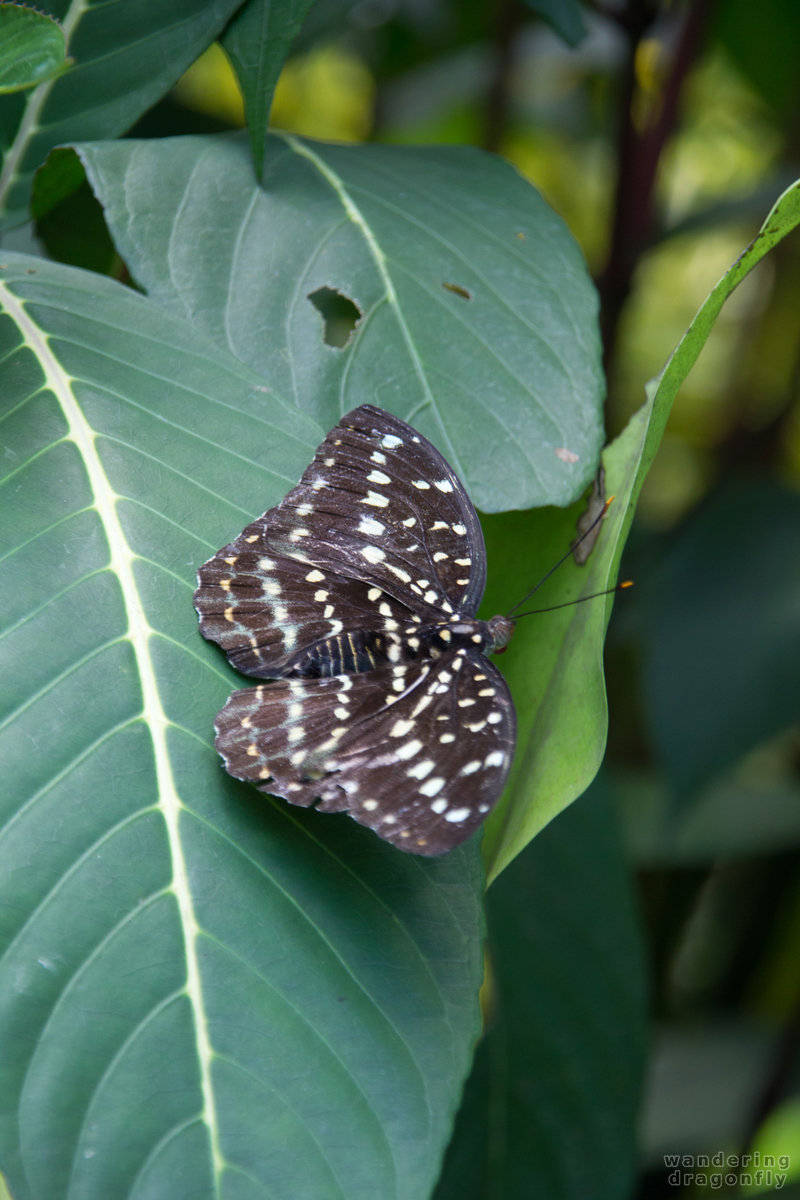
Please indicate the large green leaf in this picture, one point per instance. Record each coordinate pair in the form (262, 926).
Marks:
(125, 57)
(550, 1107)
(723, 633)
(478, 319)
(752, 810)
(202, 993)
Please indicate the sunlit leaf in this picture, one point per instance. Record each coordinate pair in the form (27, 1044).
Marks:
(31, 48)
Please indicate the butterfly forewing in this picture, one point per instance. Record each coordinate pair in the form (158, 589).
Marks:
(263, 608)
(378, 529)
(417, 752)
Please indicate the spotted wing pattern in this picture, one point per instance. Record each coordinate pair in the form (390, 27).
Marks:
(379, 529)
(378, 538)
(419, 752)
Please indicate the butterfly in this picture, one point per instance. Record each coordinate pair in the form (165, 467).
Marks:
(354, 600)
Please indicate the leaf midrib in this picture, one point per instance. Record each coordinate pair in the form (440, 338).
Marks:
(139, 633)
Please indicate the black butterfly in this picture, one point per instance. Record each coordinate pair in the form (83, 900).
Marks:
(356, 598)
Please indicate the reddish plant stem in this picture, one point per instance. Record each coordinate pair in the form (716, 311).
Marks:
(638, 155)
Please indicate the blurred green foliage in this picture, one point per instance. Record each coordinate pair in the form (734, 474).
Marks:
(662, 137)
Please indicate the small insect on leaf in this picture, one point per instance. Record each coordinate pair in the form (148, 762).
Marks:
(457, 290)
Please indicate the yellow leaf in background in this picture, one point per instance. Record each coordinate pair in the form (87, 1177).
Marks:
(327, 93)
(210, 86)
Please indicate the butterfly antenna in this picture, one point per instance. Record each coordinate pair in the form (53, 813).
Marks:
(626, 583)
(561, 562)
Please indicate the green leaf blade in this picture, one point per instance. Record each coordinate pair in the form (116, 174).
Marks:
(31, 48)
(550, 1107)
(162, 921)
(503, 378)
(258, 41)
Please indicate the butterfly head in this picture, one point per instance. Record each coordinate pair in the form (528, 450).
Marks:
(500, 630)
(485, 637)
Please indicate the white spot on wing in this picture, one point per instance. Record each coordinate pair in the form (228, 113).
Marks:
(371, 527)
(373, 554)
(457, 814)
(409, 749)
(401, 728)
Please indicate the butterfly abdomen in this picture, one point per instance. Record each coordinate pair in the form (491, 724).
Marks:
(342, 654)
(360, 650)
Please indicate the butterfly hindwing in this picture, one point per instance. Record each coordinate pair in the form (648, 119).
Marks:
(419, 752)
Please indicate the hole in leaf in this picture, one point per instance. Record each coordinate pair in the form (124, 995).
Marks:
(457, 290)
(339, 314)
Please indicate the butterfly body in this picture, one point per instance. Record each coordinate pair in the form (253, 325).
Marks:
(365, 650)
(355, 598)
